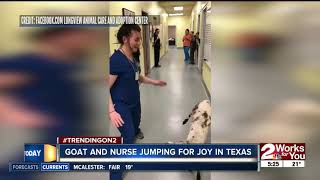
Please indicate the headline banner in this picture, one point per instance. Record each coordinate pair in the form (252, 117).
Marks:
(69, 152)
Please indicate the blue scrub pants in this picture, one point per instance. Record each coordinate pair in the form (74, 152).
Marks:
(131, 116)
(186, 53)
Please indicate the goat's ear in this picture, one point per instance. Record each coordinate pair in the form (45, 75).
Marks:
(192, 112)
(185, 121)
(196, 107)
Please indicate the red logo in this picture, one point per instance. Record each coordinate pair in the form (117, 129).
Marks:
(282, 151)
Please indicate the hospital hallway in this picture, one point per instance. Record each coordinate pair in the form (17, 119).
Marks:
(259, 101)
(164, 109)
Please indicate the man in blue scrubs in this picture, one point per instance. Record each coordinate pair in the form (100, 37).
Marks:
(124, 101)
(37, 90)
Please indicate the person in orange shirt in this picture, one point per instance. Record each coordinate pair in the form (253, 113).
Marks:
(186, 45)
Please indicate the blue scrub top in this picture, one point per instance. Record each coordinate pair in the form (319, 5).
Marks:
(126, 88)
(50, 90)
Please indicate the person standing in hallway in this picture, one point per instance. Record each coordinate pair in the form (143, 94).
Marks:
(198, 43)
(186, 45)
(192, 47)
(39, 90)
(156, 46)
(124, 77)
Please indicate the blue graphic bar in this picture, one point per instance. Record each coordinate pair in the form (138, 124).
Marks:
(250, 166)
(104, 167)
(159, 151)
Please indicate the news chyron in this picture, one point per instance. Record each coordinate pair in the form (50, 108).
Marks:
(109, 153)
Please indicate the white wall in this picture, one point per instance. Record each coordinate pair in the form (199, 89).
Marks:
(182, 23)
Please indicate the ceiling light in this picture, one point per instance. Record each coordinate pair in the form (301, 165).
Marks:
(178, 8)
(177, 14)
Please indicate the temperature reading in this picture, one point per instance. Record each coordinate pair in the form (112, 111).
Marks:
(129, 167)
(296, 163)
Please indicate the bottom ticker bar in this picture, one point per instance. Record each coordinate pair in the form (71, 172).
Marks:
(24, 167)
(91, 167)
(282, 163)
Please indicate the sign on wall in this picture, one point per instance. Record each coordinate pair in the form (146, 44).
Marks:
(127, 12)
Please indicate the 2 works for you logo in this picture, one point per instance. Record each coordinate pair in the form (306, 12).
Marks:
(282, 151)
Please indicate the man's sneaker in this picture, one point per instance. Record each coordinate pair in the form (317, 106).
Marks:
(140, 135)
